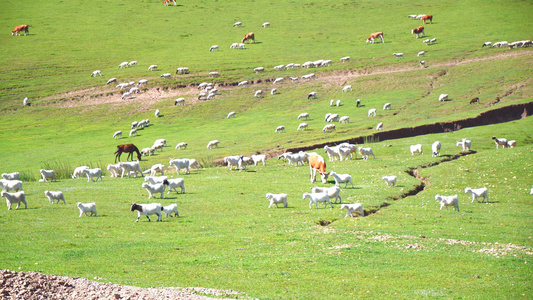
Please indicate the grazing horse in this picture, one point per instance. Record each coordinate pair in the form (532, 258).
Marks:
(19, 28)
(166, 2)
(375, 35)
(475, 100)
(427, 17)
(129, 148)
(419, 31)
(248, 36)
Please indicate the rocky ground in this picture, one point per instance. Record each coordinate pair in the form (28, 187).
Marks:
(32, 285)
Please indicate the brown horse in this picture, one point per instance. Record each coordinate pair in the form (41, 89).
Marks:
(129, 148)
(474, 101)
(248, 36)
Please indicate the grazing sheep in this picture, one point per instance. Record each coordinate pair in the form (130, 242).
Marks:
(421, 53)
(416, 148)
(303, 116)
(147, 209)
(379, 126)
(130, 167)
(234, 161)
(95, 73)
(365, 152)
(333, 192)
(372, 112)
(328, 128)
(386, 106)
(175, 183)
(166, 75)
(11, 176)
(358, 102)
(91, 173)
(114, 170)
(123, 64)
(213, 74)
(213, 143)
(231, 114)
(308, 76)
(342, 178)
(48, 174)
(142, 81)
(155, 179)
(332, 152)
(157, 112)
(11, 185)
(276, 199)
(86, 207)
(448, 201)
(390, 180)
(273, 91)
(332, 118)
(51, 195)
(154, 188)
(500, 142)
(152, 68)
(398, 55)
(345, 59)
(317, 197)
(279, 67)
(133, 132)
(258, 94)
(157, 168)
(179, 101)
(266, 24)
(180, 164)
(182, 70)
(435, 149)
(351, 208)
(331, 102)
(78, 172)
(126, 95)
(132, 63)
(117, 134)
(213, 48)
(237, 24)
(280, 128)
(346, 88)
(26, 102)
(511, 144)
(171, 208)
(12, 198)
(477, 193)
(311, 95)
(338, 103)
(258, 158)
(422, 63)
(181, 145)
(259, 69)
(443, 97)
(148, 151)
(278, 80)
(302, 127)
(344, 119)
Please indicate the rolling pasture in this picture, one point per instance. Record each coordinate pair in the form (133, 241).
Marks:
(226, 237)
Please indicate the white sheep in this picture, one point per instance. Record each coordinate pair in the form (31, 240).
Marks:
(157, 168)
(303, 116)
(333, 152)
(213, 74)
(293, 79)
(500, 142)
(398, 55)
(351, 208)
(142, 81)
(171, 208)
(135, 90)
(421, 53)
(259, 69)
(155, 179)
(148, 151)
(278, 80)
(311, 95)
(117, 134)
(338, 103)
(332, 118)
(172, 184)
(179, 101)
(130, 167)
(11, 176)
(422, 63)
(511, 144)
(181, 145)
(154, 188)
(237, 24)
(346, 88)
(342, 178)
(308, 76)
(231, 114)
(133, 132)
(302, 127)
(11, 185)
(280, 128)
(48, 174)
(372, 112)
(328, 128)
(91, 173)
(126, 95)
(443, 97)
(386, 106)
(213, 143)
(78, 172)
(213, 48)
(365, 152)
(448, 201)
(123, 85)
(258, 94)
(435, 149)
(115, 170)
(147, 209)
(157, 112)
(152, 68)
(351, 147)
(256, 158)
(477, 193)
(416, 148)
(344, 153)
(182, 70)
(11, 198)
(296, 158)
(333, 192)
(379, 126)
(55, 195)
(132, 63)
(180, 164)
(279, 67)
(317, 197)
(331, 102)
(123, 64)
(234, 161)
(95, 73)
(166, 75)
(26, 102)
(465, 144)
(86, 207)
(273, 91)
(266, 24)
(390, 180)
(276, 199)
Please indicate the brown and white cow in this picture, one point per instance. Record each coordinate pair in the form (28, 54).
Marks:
(317, 163)
(427, 17)
(475, 101)
(20, 28)
(248, 36)
(166, 2)
(419, 31)
(375, 35)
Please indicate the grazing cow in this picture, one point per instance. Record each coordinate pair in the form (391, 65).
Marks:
(475, 100)
(19, 28)
(375, 35)
(317, 163)
(419, 31)
(248, 36)
(166, 2)
(427, 17)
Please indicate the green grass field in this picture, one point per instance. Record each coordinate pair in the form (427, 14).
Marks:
(226, 237)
